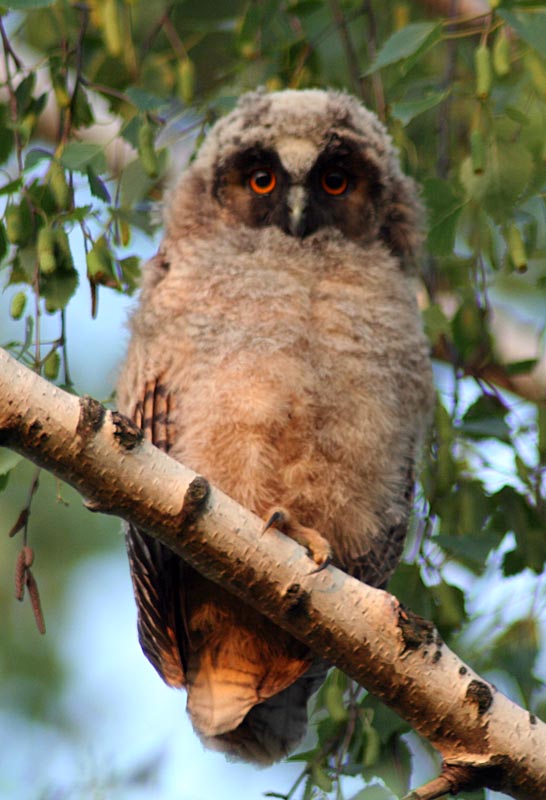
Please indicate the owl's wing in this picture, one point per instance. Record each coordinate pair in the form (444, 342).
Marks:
(376, 566)
(155, 570)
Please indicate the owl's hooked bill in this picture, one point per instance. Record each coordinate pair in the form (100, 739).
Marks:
(296, 206)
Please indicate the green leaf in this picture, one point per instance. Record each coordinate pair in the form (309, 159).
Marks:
(6, 135)
(406, 42)
(508, 170)
(144, 100)
(135, 184)
(130, 272)
(470, 331)
(444, 206)
(386, 721)
(516, 651)
(36, 155)
(97, 186)
(529, 26)
(328, 729)
(375, 792)
(436, 323)
(4, 244)
(12, 186)
(515, 512)
(58, 288)
(471, 550)
(23, 5)
(8, 460)
(521, 367)
(79, 155)
(321, 778)
(394, 768)
(449, 611)
(407, 585)
(486, 429)
(485, 419)
(405, 111)
(82, 111)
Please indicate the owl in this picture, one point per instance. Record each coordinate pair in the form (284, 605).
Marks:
(277, 350)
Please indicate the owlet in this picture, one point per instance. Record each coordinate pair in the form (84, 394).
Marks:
(277, 350)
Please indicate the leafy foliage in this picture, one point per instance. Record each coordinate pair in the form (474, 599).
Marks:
(465, 101)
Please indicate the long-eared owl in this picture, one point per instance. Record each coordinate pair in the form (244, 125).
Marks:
(277, 350)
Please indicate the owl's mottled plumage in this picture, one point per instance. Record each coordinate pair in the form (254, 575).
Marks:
(277, 350)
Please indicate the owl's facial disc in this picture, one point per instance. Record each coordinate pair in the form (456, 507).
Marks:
(302, 192)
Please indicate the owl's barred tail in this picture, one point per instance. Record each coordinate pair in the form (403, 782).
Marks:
(220, 691)
(227, 715)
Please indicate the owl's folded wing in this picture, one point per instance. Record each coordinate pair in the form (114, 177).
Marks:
(155, 570)
(376, 566)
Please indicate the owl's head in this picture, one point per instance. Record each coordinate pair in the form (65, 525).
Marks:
(305, 160)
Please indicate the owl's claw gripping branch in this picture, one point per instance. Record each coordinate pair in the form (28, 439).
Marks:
(317, 546)
(322, 566)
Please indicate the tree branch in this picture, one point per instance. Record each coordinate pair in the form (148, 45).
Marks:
(366, 632)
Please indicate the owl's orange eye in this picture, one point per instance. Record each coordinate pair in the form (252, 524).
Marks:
(334, 181)
(263, 181)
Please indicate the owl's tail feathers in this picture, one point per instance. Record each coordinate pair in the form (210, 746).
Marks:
(221, 690)
(271, 729)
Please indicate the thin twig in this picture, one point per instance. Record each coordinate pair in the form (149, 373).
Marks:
(439, 787)
(63, 345)
(444, 111)
(9, 52)
(350, 53)
(377, 83)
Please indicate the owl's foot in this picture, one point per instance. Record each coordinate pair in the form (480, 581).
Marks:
(317, 546)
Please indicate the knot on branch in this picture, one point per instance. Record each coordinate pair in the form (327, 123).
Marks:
(194, 499)
(295, 601)
(126, 433)
(480, 694)
(417, 632)
(91, 417)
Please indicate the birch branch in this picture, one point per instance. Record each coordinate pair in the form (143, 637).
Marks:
(483, 737)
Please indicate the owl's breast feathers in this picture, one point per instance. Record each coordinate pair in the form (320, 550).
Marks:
(289, 372)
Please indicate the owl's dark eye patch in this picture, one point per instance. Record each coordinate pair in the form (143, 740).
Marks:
(342, 157)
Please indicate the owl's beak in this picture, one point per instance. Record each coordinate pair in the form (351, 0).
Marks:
(296, 201)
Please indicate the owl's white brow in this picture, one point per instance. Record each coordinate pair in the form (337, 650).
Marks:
(297, 156)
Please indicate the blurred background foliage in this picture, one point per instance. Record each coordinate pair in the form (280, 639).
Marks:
(99, 100)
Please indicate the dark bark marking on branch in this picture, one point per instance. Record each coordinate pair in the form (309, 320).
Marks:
(91, 419)
(415, 630)
(296, 601)
(194, 500)
(35, 436)
(462, 670)
(126, 433)
(480, 694)
(532, 719)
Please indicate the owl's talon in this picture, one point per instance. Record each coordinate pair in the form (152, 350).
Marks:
(314, 542)
(327, 561)
(277, 518)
